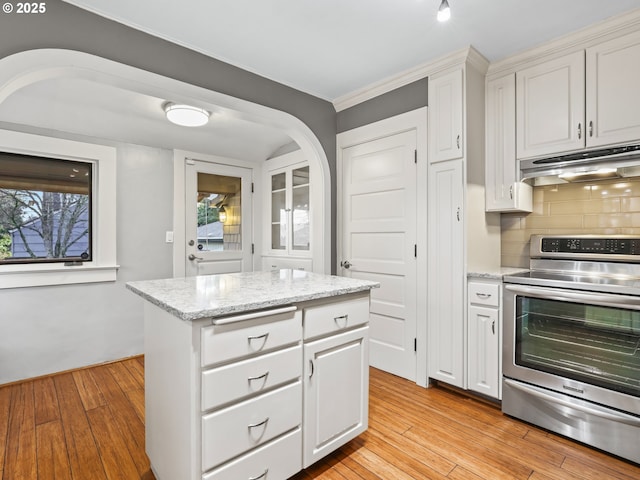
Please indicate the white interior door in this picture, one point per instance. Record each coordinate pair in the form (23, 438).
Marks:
(218, 211)
(379, 241)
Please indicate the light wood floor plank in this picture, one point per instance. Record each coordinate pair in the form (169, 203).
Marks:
(84, 457)
(20, 459)
(89, 391)
(53, 458)
(46, 401)
(117, 461)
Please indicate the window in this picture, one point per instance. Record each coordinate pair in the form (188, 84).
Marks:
(57, 211)
(45, 209)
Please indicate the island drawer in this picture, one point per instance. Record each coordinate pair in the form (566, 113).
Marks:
(333, 317)
(247, 377)
(227, 341)
(281, 458)
(237, 429)
(487, 294)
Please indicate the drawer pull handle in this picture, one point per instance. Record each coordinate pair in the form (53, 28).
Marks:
(493, 327)
(262, 337)
(483, 295)
(262, 475)
(344, 319)
(259, 424)
(258, 377)
(311, 367)
(253, 315)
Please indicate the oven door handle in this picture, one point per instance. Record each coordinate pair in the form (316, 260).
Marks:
(592, 298)
(620, 418)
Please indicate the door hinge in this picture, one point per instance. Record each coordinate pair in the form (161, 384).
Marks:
(415, 344)
(253, 248)
(251, 187)
(415, 250)
(415, 156)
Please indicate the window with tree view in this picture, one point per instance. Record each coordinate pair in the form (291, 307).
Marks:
(45, 209)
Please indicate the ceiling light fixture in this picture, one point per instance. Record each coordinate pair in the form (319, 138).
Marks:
(444, 12)
(186, 115)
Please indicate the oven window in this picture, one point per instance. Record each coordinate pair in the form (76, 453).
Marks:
(588, 343)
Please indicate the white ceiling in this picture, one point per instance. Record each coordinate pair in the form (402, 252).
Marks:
(95, 109)
(331, 48)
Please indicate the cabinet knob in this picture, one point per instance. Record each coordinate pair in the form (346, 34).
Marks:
(346, 264)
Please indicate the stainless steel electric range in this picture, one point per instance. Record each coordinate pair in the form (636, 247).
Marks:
(571, 351)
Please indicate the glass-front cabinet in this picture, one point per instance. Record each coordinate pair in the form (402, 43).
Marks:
(288, 212)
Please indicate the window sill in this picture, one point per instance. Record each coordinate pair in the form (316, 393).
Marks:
(55, 275)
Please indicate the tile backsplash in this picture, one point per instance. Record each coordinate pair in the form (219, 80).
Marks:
(602, 207)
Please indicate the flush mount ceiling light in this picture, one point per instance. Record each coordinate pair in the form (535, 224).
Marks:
(444, 12)
(186, 115)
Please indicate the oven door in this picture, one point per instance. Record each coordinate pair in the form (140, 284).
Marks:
(582, 344)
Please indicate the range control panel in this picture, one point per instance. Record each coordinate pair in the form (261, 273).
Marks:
(596, 245)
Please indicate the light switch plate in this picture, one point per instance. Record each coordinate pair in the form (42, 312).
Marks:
(168, 237)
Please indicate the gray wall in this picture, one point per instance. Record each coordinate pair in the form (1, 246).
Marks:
(395, 102)
(51, 329)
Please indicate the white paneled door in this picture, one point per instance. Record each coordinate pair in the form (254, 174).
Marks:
(379, 242)
(218, 207)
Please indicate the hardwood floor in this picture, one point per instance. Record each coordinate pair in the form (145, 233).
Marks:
(89, 424)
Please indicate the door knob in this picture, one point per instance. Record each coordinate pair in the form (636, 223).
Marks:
(193, 257)
(345, 264)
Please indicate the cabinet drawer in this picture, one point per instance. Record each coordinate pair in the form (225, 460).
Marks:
(281, 458)
(232, 340)
(241, 427)
(241, 379)
(333, 317)
(487, 294)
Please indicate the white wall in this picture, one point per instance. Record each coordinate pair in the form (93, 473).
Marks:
(51, 329)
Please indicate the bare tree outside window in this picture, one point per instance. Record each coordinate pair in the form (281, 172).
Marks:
(49, 220)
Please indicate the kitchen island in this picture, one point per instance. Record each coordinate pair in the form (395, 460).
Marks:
(252, 375)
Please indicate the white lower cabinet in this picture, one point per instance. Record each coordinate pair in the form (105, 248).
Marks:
(336, 392)
(251, 396)
(484, 338)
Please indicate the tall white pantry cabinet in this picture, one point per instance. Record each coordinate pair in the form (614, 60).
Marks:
(462, 237)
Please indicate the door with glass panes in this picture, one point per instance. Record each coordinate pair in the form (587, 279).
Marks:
(217, 218)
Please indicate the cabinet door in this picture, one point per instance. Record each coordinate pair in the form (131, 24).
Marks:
(550, 107)
(446, 282)
(445, 117)
(484, 350)
(503, 191)
(613, 91)
(336, 394)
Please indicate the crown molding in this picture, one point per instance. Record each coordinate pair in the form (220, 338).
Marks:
(580, 39)
(466, 55)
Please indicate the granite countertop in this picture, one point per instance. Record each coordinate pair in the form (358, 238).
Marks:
(192, 298)
(496, 274)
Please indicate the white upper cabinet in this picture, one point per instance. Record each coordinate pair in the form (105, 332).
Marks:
(588, 98)
(550, 107)
(613, 91)
(503, 191)
(445, 116)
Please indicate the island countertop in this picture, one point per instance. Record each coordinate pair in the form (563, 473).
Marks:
(192, 298)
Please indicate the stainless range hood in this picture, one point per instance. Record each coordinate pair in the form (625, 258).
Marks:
(591, 165)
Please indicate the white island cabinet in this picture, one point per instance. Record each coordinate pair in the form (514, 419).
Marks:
(252, 375)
